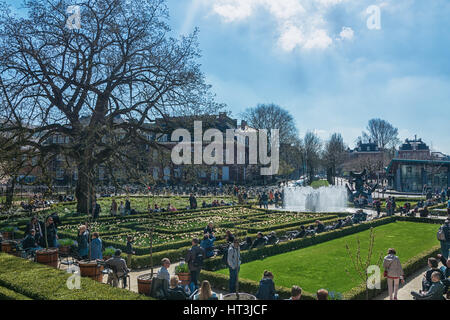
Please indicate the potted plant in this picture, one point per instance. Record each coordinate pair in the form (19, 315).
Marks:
(8, 232)
(65, 246)
(48, 256)
(144, 283)
(108, 253)
(182, 271)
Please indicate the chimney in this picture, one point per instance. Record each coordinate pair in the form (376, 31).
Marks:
(243, 124)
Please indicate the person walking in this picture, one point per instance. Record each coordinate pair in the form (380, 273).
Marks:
(96, 209)
(113, 208)
(83, 240)
(194, 259)
(192, 202)
(393, 272)
(234, 262)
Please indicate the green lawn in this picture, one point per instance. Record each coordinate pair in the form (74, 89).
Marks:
(324, 265)
(319, 183)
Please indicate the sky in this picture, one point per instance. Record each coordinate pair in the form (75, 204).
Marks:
(331, 63)
(328, 62)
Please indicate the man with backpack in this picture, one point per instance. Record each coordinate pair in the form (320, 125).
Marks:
(194, 259)
(443, 235)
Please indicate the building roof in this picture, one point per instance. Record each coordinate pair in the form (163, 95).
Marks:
(412, 161)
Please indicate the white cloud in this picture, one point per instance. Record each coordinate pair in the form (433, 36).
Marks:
(346, 34)
(318, 39)
(290, 38)
(300, 23)
(232, 10)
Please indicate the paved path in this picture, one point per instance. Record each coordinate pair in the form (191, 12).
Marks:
(412, 283)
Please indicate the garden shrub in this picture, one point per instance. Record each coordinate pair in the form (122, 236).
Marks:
(41, 282)
(6, 294)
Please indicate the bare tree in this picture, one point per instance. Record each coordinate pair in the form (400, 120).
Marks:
(272, 116)
(100, 85)
(381, 132)
(312, 147)
(333, 155)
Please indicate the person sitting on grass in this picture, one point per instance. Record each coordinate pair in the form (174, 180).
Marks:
(205, 292)
(96, 247)
(260, 241)
(272, 238)
(320, 227)
(266, 290)
(423, 213)
(434, 292)
(119, 268)
(426, 280)
(209, 229)
(247, 244)
(296, 293)
(299, 234)
(322, 294)
(163, 272)
(208, 244)
(176, 291)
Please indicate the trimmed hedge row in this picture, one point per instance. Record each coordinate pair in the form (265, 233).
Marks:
(281, 226)
(6, 294)
(220, 281)
(409, 268)
(216, 263)
(41, 282)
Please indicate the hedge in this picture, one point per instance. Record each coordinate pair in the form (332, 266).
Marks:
(6, 294)
(409, 268)
(216, 263)
(41, 282)
(220, 281)
(251, 229)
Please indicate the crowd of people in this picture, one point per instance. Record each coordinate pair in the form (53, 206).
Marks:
(435, 284)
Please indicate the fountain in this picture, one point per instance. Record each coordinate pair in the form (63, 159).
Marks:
(308, 199)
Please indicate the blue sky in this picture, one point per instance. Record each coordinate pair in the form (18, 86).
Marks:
(319, 60)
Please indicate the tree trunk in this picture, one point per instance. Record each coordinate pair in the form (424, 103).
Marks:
(10, 193)
(85, 190)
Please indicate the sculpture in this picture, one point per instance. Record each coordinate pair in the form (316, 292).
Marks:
(361, 188)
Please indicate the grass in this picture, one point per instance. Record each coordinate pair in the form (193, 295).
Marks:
(319, 183)
(324, 265)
